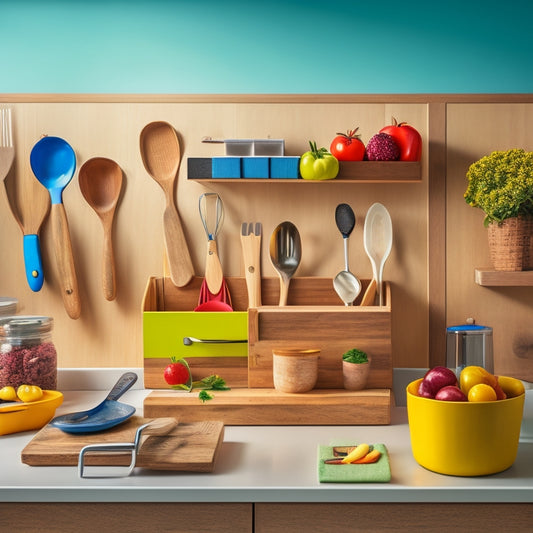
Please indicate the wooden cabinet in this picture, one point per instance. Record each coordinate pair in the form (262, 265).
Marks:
(139, 517)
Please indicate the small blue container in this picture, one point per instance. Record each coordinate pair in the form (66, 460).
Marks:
(255, 167)
(285, 167)
(226, 167)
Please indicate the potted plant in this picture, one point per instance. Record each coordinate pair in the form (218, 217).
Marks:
(355, 369)
(501, 185)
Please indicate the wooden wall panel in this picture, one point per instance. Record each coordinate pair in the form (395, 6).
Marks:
(475, 130)
(109, 334)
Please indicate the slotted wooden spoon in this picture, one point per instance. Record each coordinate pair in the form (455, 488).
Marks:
(100, 181)
(161, 156)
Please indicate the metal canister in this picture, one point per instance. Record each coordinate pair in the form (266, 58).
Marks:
(469, 344)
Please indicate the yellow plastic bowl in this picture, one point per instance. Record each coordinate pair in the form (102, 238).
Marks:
(464, 438)
(30, 415)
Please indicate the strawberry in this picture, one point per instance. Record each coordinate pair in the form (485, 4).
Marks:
(177, 372)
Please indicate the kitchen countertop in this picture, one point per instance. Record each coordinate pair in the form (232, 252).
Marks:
(258, 464)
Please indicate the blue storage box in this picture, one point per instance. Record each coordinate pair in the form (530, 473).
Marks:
(255, 167)
(285, 167)
(226, 167)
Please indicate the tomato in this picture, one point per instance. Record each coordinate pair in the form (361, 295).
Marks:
(482, 393)
(177, 373)
(29, 393)
(348, 146)
(473, 375)
(511, 386)
(318, 164)
(407, 138)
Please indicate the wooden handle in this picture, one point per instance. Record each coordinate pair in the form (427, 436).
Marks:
(179, 258)
(251, 250)
(370, 294)
(160, 426)
(108, 266)
(213, 268)
(283, 290)
(65, 261)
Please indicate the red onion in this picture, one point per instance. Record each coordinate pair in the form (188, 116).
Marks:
(435, 379)
(451, 393)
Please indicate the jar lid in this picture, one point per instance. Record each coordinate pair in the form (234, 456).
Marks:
(25, 325)
(473, 328)
(8, 306)
(294, 352)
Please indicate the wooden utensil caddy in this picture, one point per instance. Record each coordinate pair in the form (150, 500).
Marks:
(329, 326)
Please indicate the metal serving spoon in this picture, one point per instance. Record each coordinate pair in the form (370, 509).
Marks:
(285, 254)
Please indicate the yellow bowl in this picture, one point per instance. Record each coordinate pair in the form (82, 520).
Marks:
(30, 415)
(464, 438)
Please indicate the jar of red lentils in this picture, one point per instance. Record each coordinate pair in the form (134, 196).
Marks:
(27, 354)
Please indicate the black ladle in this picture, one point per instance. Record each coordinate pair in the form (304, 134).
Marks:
(346, 285)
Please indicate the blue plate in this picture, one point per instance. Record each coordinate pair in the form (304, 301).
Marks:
(106, 415)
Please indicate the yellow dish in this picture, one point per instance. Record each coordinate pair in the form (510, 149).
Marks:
(464, 438)
(31, 415)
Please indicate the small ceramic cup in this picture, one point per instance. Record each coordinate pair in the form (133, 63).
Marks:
(295, 370)
(355, 375)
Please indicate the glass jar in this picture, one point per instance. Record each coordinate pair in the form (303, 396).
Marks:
(8, 306)
(27, 353)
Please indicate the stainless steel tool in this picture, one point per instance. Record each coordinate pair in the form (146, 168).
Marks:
(285, 254)
(159, 426)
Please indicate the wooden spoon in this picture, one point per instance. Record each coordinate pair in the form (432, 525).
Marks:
(161, 156)
(100, 182)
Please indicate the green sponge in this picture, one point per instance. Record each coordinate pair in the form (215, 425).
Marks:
(378, 472)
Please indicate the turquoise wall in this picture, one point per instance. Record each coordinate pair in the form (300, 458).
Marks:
(217, 46)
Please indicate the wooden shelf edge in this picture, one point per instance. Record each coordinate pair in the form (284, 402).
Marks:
(350, 172)
(487, 277)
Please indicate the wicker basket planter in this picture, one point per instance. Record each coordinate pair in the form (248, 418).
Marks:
(509, 244)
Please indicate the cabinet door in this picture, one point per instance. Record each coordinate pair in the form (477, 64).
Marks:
(130, 517)
(408, 517)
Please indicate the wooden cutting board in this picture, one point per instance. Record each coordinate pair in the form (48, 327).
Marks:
(190, 446)
(269, 407)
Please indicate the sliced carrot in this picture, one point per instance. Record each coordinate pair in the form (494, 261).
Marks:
(370, 457)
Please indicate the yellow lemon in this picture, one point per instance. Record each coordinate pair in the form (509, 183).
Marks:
(8, 394)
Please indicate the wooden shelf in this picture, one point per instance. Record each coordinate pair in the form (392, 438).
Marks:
(349, 172)
(497, 278)
(268, 407)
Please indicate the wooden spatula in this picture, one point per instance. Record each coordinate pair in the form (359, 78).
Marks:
(30, 203)
(370, 294)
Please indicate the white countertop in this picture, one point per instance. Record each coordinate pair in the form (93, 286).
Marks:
(260, 464)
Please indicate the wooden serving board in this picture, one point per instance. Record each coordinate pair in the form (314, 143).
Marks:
(269, 407)
(191, 446)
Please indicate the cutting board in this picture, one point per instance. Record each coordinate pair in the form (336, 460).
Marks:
(190, 446)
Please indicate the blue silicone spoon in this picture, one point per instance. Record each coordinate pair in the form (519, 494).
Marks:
(53, 162)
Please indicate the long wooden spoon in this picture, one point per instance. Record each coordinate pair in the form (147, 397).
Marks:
(161, 156)
(100, 182)
(53, 163)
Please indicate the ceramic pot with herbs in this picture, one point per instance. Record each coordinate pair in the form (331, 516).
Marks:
(355, 369)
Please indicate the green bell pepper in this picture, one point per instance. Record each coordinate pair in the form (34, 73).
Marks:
(318, 164)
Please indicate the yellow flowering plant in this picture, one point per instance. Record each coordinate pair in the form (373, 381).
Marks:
(501, 185)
